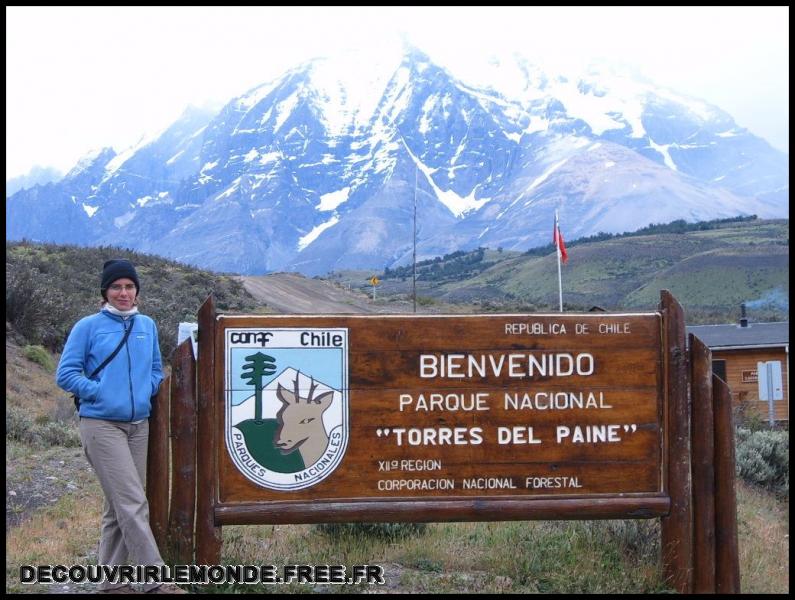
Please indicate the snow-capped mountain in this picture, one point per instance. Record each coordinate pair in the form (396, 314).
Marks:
(316, 170)
(36, 176)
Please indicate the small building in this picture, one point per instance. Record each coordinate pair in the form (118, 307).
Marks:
(753, 358)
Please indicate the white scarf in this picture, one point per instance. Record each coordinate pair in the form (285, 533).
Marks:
(124, 314)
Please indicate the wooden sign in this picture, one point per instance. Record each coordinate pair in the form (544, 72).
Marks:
(321, 419)
(439, 417)
(751, 376)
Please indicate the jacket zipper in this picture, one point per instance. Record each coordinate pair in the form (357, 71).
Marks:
(129, 373)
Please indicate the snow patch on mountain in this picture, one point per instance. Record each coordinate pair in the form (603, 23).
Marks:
(536, 182)
(455, 204)
(121, 221)
(602, 107)
(84, 162)
(208, 166)
(310, 237)
(175, 157)
(230, 190)
(284, 109)
(117, 161)
(425, 119)
(253, 97)
(348, 93)
(663, 149)
(332, 200)
(269, 157)
(701, 109)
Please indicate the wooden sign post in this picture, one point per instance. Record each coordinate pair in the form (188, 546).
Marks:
(314, 419)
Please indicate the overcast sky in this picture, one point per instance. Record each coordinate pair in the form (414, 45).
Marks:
(81, 78)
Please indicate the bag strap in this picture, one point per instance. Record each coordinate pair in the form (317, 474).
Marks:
(116, 351)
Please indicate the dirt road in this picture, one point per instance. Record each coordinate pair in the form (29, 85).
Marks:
(291, 293)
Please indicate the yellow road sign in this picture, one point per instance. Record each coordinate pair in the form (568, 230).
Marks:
(374, 280)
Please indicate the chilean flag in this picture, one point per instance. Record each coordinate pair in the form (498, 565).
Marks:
(557, 239)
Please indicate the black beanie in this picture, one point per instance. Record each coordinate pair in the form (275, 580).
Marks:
(117, 268)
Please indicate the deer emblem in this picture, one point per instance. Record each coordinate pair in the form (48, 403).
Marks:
(301, 423)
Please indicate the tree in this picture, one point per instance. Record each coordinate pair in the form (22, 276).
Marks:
(259, 365)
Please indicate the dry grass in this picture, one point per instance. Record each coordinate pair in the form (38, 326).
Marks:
(26, 380)
(616, 556)
(763, 540)
(563, 557)
(66, 532)
(69, 528)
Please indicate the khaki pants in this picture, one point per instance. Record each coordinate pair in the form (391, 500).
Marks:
(117, 452)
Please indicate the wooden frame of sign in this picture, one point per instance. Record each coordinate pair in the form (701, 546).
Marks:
(310, 419)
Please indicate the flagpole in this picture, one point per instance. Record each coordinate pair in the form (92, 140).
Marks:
(414, 234)
(557, 251)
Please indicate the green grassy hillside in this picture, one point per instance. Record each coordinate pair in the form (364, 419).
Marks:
(710, 271)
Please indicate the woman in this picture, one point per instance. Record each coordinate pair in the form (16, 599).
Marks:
(114, 408)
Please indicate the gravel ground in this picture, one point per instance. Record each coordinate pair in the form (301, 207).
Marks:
(40, 478)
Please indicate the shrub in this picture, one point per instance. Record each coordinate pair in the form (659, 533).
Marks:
(386, 531)
(763, 459)
(30, 308)
(41, 432)
(746, 417)
(40, 356)
(56, 434)
(64, 409)
(637, 539)
(19, 424)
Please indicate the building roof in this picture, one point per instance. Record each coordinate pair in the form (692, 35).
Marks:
(757, 335)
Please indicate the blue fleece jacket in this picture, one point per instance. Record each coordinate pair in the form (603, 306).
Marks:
(123, 389)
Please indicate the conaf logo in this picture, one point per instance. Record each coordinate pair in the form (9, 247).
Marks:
(286, 404)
